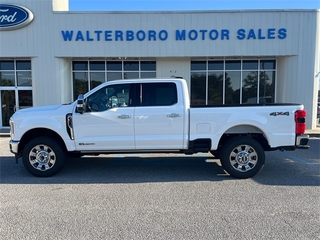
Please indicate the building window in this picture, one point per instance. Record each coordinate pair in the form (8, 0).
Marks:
(89, 74)
(215, 82)
(15, 87)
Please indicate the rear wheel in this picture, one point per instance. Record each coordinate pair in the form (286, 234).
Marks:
(242, 157)
(43, 157)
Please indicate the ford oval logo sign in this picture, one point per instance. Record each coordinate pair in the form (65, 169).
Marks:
(14, 16)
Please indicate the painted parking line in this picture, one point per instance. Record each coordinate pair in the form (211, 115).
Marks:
(299, 159)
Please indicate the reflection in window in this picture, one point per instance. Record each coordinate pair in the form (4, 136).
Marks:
(250, 65)
(97, 66)
(148, 66)
(232, 89)
(80, 65)
(101, 71)
(198, 88)
(114, 65)
(198, 65)
(8, 105)
(114, 76)
(131, 75)
(267, 87)
(131, 66)
(7, 78)
(23, 65)
(25, 98)
(96, 78)
(267, 64)
(233, 65)
(232, 82)
(109, 97)
(148, 75)
(215, 65)
(215, 88)
(80, 83)
(15, 75)
(249, 87)
(24, 78)
(6, 65)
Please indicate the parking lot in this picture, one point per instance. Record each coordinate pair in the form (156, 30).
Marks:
(162, 196)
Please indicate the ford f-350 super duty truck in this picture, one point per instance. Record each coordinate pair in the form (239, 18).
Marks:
(154, 116)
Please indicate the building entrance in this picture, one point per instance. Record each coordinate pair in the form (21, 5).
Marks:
(15, 88)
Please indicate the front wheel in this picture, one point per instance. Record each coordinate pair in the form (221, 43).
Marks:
(242, 157)
(43, 157)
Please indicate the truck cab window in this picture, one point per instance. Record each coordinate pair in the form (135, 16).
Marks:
(158, 94)
(113, 96)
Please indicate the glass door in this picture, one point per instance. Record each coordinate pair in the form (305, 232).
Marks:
(8, 106)
(15, 88)
(24, 99)
(11, 101)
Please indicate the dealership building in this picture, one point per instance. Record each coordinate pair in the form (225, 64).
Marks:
(48, 54)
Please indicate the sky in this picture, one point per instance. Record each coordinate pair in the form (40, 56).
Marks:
(158, 5)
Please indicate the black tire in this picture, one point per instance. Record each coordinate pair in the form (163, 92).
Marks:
(215, 154)
(43, 157)
(242, 157)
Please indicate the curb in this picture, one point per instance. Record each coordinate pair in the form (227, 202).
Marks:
(3, 135)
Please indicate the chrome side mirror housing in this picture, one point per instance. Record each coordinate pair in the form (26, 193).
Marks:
(81, 104)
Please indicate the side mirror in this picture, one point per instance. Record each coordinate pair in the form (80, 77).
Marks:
(81, 105)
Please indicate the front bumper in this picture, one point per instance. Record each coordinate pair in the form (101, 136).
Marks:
(302, 141)
(14, 146)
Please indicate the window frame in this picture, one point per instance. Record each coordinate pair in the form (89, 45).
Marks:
(19, 90)
(259, 70)
(107, 72)
(142, 97)
(98, 101)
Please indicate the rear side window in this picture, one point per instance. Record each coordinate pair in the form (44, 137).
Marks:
(158, 94)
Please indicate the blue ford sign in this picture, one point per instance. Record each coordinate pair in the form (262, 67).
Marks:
(14, 16)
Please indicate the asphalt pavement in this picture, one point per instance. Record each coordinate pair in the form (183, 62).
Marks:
(162, 196)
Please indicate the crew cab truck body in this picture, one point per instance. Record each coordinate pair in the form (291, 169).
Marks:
(153, 116)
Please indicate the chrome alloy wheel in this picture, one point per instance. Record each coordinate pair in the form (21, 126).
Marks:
(42, 157)
(243, 158)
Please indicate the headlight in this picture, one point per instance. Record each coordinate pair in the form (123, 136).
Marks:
(11, 123)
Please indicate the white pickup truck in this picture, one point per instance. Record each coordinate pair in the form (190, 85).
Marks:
(154, 116)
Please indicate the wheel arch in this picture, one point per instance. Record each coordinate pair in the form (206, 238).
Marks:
(248, 131)
(40, 132)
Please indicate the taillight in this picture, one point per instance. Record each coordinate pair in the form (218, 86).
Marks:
(300, 118)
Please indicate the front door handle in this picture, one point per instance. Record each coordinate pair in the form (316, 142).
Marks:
(124, 116)
(173, 115)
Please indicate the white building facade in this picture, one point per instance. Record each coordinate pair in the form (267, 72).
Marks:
(226, 57)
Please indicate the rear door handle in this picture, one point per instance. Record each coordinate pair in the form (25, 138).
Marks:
(124, 116)
(173, 115)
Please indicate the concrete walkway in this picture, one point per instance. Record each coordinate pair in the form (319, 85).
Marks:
(314, 132)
